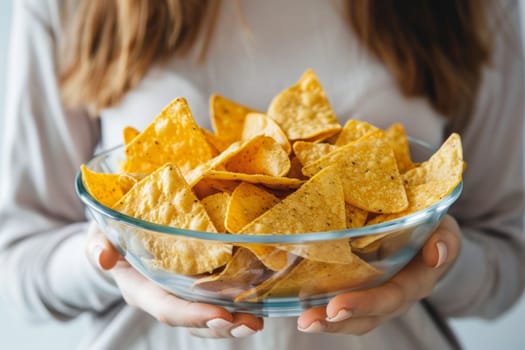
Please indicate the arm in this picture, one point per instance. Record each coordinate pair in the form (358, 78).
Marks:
(42, 223)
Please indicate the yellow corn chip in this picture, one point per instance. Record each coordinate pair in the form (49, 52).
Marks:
(260, 155)
(309, 152)
(217, 144)
(165, 198)
(240, 274)
(260, 124)
(105, 188)
(317, 206)
(275, 182)
(296, 169)
(353, 130)
(355, 217)
(129, 133)
(273, 258)
(172, 137)
(398, 140)
(369, 173)
(247, 202)
(303, 110)
(227, 118)
(215, 206)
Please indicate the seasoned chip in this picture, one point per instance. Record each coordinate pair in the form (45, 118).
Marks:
(300, 280)
(241, 273)
(260, 124)
(309, 152)
(260, 155)
(303, 110)
(353, 130)
(172, 137)
(227, 118)
(273, 258)
(355, 217)
(217, 144)
(215, 206)
(368, 169)
(105, 188)
(246, 203)
(165, 198)
(317, 206)
(129, 133)
(275, 182)
(398, 140)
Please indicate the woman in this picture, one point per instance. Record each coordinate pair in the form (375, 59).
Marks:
(436, 67)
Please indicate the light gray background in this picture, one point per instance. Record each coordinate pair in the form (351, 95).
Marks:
(505, 333)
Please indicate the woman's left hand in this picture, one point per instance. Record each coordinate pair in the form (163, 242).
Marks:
(359, 312)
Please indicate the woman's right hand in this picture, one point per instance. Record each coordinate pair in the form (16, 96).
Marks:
(203, 320)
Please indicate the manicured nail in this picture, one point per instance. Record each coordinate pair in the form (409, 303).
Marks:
(315, 327)
(98, 252)
(442, 254)
(342, 315)
(218, 323)
(242, 331)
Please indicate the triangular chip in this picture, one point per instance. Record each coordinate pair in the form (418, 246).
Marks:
(300, 282)
(172, 137)
(355, 217)
(353, 130)
(227, 118)
(216, 205)
(105, 188)
(303, 110)
(246, 203)
(260, 124)
(317, 206)
(276, 182)
(165, 198)
(368, 169)
(243, 272)
(398, 140)
(129, 133)
(309, 152)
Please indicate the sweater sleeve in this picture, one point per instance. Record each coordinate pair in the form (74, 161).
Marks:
(42, 223)
(489, 274)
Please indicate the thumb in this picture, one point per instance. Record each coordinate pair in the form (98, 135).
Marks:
(99, 250)
(442, 248)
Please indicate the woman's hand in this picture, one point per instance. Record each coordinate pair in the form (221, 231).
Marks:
(359, 312)
(201, 319)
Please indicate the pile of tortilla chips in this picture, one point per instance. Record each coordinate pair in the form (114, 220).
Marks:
(289, 171)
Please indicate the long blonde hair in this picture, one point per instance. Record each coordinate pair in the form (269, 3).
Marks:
(434, 49)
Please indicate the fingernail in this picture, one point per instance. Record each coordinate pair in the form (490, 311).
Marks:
(342, 315)
(218, 323)
(442, 254)
(315, 327)
(98, 252)
(242, 331)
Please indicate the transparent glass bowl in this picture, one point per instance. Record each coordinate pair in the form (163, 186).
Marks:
(403, 239)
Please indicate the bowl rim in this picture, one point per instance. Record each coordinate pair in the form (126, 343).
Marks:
(396, 224)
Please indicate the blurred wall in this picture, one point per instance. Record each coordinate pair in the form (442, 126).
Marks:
(15, 333)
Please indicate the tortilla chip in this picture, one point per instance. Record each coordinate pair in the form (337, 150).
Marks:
(275, 182)
(246, 203)
(273, 258)
(217, 144)
(303, 110)
(353, 130)
(165, 198)
(215, 206)
(227, 118)
(309, 152)
(355, 217)
(260, 155)
(172, 137)
(242, 272)
(129, 133)
(317, 206)
(260, 124)
(398, 140)
(369, 173)
(105, 188)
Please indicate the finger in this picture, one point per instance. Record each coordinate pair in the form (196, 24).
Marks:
(165, 307)
(308, 319)
(443, 246)
(356, 326)
(99, 250)
(244, 325)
